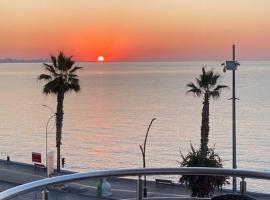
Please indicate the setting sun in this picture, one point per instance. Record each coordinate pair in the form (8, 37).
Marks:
(100, 59)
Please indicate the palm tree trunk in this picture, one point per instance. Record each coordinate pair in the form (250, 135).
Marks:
(59, 125)
(205, 127)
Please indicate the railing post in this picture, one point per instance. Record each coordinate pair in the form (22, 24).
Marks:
(139, 188)
(44, 194)
(243, 186)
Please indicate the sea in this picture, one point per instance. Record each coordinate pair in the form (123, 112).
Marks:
(105, 122)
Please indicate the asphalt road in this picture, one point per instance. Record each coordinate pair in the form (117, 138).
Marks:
(13, 174)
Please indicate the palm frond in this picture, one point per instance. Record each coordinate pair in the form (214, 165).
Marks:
(61, 61)
(214, 79)
(193, 89)
(191, 85)
(49, 88)
(71, 61)
(74, 69)
(199, 82)
(72, 75)
(205, 78)
(74, 87)
(215, 94)
(54, 61)
(50, 68)
(192, 147)
(44, 77)
(73, 80)
(209, 73)
(219, 87)
(203, 70)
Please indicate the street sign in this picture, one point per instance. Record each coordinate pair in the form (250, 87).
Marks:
(36, 157)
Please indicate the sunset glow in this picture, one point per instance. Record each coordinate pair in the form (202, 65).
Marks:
(135, 30)
(100, 59)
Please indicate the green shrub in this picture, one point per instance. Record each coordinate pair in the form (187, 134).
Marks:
(202, 186)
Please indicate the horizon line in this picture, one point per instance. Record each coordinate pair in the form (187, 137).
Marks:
(41, 60)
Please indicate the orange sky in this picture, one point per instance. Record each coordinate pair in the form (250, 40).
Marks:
(135, 30)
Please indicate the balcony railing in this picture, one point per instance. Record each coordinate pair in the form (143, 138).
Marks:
(44, 183)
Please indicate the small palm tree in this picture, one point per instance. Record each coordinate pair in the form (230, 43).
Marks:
(207, 86)
(61, 78)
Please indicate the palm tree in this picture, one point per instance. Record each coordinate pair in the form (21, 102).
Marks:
(207, 86)
(61, 78)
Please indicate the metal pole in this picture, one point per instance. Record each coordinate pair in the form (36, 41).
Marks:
(234, 124)
(139, 188)
(45, 194)
(143, 150)
(47, 138)
(243, 186)
(47, 147)
(47, 132)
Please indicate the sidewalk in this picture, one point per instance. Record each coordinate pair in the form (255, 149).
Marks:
(14, 173)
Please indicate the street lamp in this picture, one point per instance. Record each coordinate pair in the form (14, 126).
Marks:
(143, 150)
(232, 65)
(47, 124)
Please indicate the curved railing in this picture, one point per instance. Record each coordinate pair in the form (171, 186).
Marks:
(10, 193)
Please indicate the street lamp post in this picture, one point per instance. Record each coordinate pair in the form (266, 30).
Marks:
(232, 65)
(47, 124)
(47, 138)
(143, 150)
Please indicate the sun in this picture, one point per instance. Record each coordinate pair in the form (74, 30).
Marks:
(100, 59)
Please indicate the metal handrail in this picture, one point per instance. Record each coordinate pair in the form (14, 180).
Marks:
(10, 193)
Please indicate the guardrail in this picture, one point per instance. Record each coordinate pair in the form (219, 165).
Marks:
(42, 184)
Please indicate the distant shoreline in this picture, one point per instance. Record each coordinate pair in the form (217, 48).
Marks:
(11, 60)
(14, 60)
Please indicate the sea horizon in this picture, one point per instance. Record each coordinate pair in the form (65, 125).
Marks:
(47, 60)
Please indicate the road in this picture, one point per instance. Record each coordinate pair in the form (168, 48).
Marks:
(14, 173)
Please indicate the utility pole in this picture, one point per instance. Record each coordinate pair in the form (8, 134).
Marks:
(232, 65)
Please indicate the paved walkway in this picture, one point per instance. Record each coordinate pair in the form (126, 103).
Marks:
(13, 174)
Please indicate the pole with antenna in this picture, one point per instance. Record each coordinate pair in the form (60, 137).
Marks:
(234, 122)
(232, 65)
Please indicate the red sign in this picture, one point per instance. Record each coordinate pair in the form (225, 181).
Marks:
(36, 157)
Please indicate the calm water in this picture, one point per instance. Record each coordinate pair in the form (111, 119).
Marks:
(106, 122)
